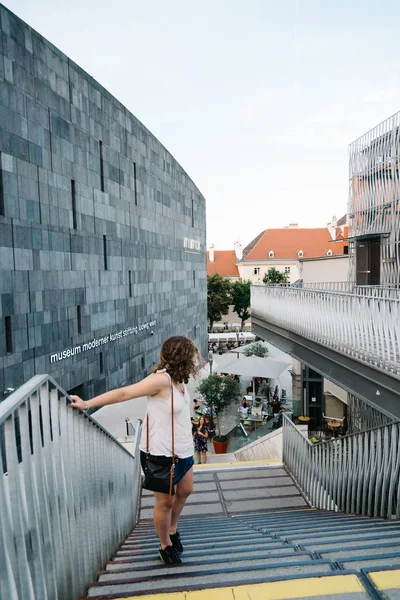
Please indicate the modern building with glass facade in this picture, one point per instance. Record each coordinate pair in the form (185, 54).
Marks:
(102, 232)
(374, 210)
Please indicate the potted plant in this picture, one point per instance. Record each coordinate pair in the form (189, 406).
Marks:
(219, 392)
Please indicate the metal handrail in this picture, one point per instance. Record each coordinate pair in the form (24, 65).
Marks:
(357, 473)
(69, 494)
(363, 327)
(345, 287)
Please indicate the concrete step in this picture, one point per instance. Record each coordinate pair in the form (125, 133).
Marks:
(229, 457)
(173, 581)
(225, 462)
(340, 586)
(249, 471)
(300, 523)
(189, 542)
(153, 569)
(382, 529)
(356, 564)
(370, 552)
(323, 525)
(369, 542)
(308, 513)
(263, 492)
(227, 532)
(194, 531)
(260, 482)
(196, 556)
(188, 521)
(206, 496)
(123, 551)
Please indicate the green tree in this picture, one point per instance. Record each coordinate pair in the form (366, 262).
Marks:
(241, 300)
(275, 277)
(218, 297)
(256, 349)
(219, 393)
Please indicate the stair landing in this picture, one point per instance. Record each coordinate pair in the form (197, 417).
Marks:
(226, 489)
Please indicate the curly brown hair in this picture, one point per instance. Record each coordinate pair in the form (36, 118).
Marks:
(180, 357)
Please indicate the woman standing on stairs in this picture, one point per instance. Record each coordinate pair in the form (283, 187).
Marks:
(179, 359)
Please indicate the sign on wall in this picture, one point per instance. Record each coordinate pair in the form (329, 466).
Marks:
(101, 341)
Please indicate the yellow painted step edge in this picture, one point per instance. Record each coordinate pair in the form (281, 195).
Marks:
(274, 590)
(386, 580)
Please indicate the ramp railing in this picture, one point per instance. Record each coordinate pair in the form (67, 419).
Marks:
(357, 473)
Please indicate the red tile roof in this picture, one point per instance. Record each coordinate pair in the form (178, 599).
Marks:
(224, 263)
(286, 243)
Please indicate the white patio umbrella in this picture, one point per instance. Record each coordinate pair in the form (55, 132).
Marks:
(273, 352)
(205, 371)
(254, 366)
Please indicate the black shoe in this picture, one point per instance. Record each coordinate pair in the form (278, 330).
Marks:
(176, 541)
(169, 556)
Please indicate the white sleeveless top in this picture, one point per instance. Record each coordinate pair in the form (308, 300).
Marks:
(158, 410)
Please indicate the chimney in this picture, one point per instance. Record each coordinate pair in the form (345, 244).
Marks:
(211, 253)
(332, 227)
(237, 246)
(292, 226)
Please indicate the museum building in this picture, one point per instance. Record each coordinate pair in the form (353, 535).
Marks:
(102, 232)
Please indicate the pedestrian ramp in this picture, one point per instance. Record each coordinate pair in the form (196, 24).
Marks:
(249, 534)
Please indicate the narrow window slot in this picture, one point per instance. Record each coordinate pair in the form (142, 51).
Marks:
(73, 196)
(9, 341)
(79, 318)
(135, 183)
(101, 166)
(105, 252)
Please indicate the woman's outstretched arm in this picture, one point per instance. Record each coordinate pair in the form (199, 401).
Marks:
(150, 386)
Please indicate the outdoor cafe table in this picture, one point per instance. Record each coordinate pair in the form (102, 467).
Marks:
(304, 419)
(334, 426)
(254, 420)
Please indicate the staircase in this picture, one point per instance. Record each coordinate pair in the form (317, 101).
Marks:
(247, 529)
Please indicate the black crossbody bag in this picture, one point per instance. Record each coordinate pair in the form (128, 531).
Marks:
(159, 470)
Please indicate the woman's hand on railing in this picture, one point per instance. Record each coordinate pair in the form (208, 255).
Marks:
(79, 403)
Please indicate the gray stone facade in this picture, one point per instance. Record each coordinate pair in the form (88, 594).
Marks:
(102, 233)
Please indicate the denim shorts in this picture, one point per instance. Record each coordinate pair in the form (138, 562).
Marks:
(181, 468)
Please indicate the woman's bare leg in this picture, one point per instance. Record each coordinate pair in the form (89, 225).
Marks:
(183, 490)
(198, 458)
(162, 517)
(204, 457)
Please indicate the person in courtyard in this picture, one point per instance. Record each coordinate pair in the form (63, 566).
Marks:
(244, 407)
(179, 359)
(196, 405)
(276, 406)
(210, 426)
(200, 441)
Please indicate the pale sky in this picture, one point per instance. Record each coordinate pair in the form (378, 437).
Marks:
(257, 100)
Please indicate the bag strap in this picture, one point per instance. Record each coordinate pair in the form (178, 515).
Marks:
(172, 419)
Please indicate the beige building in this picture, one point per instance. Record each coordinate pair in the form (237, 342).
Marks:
(284, 249)
(316, 270)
